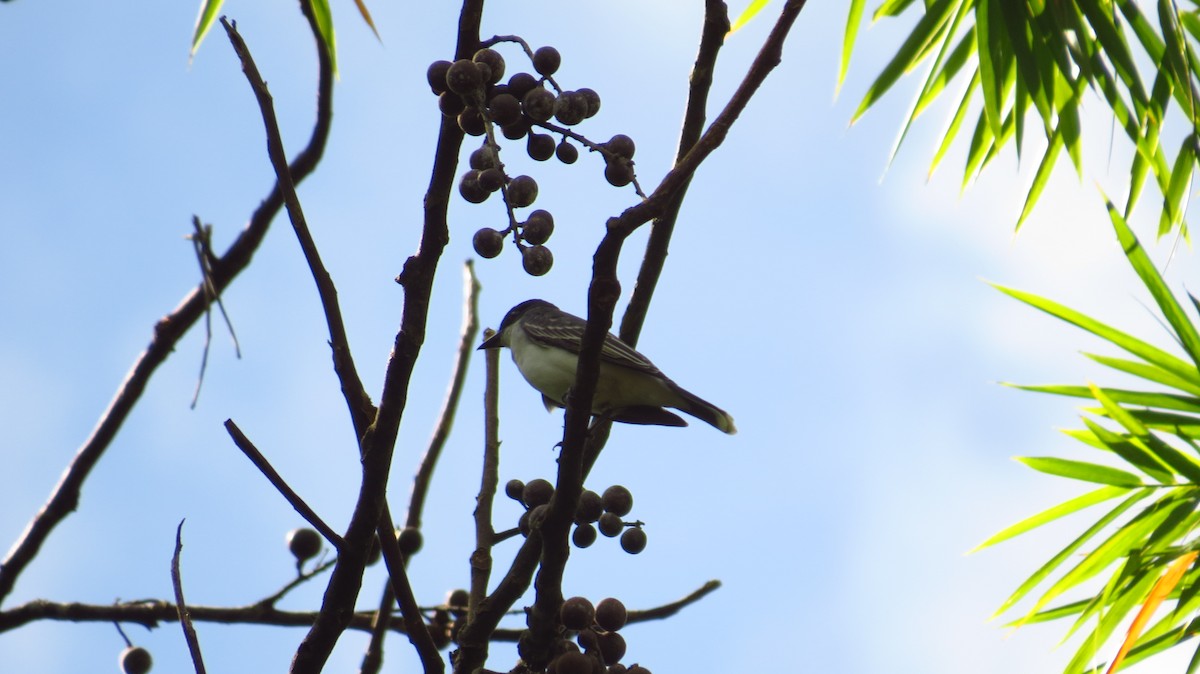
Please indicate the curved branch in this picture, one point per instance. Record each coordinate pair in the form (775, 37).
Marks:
(168, 331)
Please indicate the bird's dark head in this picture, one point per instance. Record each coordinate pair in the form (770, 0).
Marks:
(510, 319)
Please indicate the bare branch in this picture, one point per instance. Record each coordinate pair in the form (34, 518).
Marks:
(243, 443)
(485, 532)
(185, 620)
(359, 403)
(167, 333)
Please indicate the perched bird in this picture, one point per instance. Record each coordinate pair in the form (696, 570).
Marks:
(545, 343)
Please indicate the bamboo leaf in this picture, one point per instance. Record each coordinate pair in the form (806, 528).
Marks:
(905, 59)
(1081, 470)
(204, 21)
(955, 123)
(1162, 588)
(853, 20)
(1049, 515)
(1046, 569)
(1171, 309)
(1137, 347)
(756, 6)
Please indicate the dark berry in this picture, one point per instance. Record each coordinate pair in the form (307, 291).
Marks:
(538, 227)
(458, 598)
(488, 242)
(464, 78)
(410, 541)
(521, 83)
(470, 189)
(610, 524)
(514, 489)
(611, 614)
(494, 61)
(612, 647)
(517, 129)
(538, 104)
(586, 639)
(618, 173)
(546, 60)
(570, 108)
(483, 158)
(505, 109)
(567, 153)
(491, 179)
(522, 191)
(584, 535)
(436, 76)
(523, 523)
(537, 260)
(540, 146)
(617, 500)
(135, 660)
(637, 669)
(571, 662)
(592, 99)
(471, 122)
(304, 543)
(451, 104)
(591, 506)
(621, 145)
(633, 540)
(537, 492)
(577, 613)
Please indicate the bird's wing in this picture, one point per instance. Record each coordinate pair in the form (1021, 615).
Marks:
(566, 332)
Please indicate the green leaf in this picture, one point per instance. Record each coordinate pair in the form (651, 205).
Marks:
(989, 33)
(1049, 515)
(1181, 177)
(1046, 569)
(1180, 463)
(324, 21)
(1129, 536)
(1144, 398)
(1114, 46)
(955, 123)
(905, 58)
(1081, 470)
(757, 5)
(1137, 347)
(1171, 309)
(1045, 169)
(204, 21)
(852, 23)
(1147, 372)
(890, 8)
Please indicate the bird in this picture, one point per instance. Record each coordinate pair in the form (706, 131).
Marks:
(545, 342)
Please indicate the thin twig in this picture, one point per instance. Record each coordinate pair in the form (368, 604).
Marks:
(167, 333)
(410, 611)
(359, 403)
(373, 658)
(185, 620)
(201, 238)
(668, 610)
(466, 345)
(260, 462)
(485, 532)
(299, 580)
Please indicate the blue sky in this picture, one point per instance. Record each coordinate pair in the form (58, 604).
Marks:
(843, 321)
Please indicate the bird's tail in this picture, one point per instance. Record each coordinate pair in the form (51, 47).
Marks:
(706, 411)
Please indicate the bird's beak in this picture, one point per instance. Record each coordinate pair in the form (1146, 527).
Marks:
(492, 342)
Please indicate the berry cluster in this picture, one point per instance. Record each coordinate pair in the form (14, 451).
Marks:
(594, 510)
(600, 646)
(473, 91)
